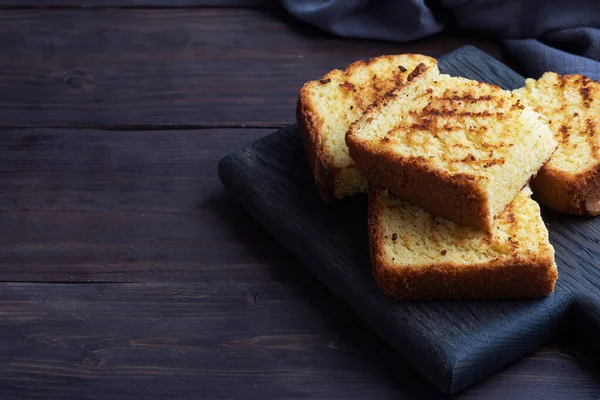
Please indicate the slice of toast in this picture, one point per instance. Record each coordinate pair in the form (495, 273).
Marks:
(418, 256)
(458, 148)
(570, 181)
(327, 107)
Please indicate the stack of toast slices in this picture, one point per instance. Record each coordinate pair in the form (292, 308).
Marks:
(449, 165)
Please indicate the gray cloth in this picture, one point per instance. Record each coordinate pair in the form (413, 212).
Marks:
(544, 35)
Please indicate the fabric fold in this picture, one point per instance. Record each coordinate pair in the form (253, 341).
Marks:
(543, 35)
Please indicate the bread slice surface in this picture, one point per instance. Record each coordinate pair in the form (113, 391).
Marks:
(327, 107)
(570, 181)
(418, 256)
(458, 148)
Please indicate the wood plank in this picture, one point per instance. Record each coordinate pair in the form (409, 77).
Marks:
(220, 333)
(454, 344)
(222, 341)
(20, 4)
(171, 68)
(126, 206)
(539, 376)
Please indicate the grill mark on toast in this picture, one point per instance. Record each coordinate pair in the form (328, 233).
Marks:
(399, 80)
(444, 112)
(461, 146)
(421, 126)
(585, 91)
(427, 121)
(429, 125)
(517, 106)
(468, 98)
(356, 96)
(564, 131)
(591, 137)
(495, 145)
(485, 162)
(562, 83)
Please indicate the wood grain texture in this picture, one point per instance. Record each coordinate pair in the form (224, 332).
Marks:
(96, 203)
(114, 206)
(147, 206)
(206, 340)
(223, 311)
(546, 372)
(452, 343)
(46, 4)
(216, 340)
(171, 68)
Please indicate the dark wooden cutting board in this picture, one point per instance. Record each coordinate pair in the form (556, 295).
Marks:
(452, 343)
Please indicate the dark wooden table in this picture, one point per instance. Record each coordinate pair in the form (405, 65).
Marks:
(127, 271)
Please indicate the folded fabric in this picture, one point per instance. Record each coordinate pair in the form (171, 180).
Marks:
(544, 35)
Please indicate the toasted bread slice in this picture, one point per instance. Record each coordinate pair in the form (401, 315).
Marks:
(328, 106)
(570, 181)
(458, 148)
(417, 256)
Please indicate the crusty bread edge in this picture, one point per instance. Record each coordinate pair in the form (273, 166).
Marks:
(323, 172)
(326, 174)
(568, 193)
(501, 279)
(456, 197)
(467, 205)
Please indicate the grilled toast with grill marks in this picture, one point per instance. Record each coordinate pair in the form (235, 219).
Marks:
(327, 107)
(570, 181)
(458, 148)
(417, 256)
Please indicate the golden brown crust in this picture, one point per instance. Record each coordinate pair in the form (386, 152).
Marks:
(577, 194)
(419, 70)
(508, 280)
(323, 172)
(402, 153)
(569, 103)
(365, 63)
(454, 197)
(516, 278)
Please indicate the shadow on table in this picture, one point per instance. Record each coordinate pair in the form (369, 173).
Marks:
(375, 361)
